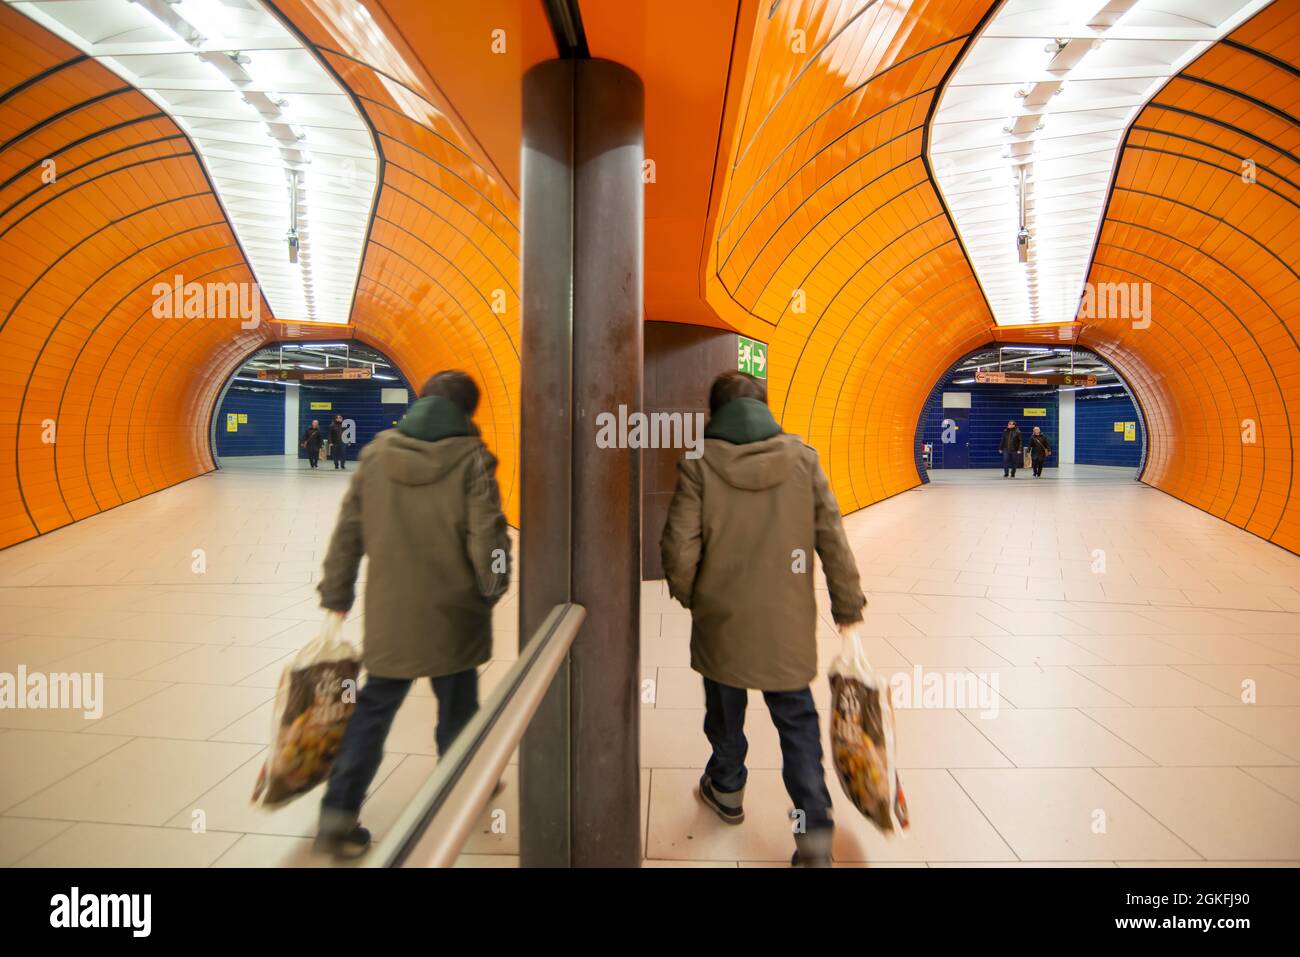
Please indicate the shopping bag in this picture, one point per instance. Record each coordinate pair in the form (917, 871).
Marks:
(862, 738)
(315, 698)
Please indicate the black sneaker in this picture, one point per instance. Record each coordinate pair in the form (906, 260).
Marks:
(714, 799)
(347, 846)
(813, 849)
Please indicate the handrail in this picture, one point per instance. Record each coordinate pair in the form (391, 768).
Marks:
(438, 820)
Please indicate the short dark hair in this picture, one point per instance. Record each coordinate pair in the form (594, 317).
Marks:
(735, 385)
(455, 386)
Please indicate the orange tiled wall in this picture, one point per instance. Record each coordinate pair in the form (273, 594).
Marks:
(828, 205)
(124, 397)
(1219, 360)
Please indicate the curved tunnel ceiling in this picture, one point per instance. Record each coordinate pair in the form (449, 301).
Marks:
(1026, 136)
(101, 197)
(291, 159)
(1203, 224)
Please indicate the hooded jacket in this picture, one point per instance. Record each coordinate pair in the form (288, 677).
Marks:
(425, 509)
(744, 523)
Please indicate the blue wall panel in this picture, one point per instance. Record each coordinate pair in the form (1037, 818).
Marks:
(991, 407)
(263, 433)
(357, 400)
(1095, 440)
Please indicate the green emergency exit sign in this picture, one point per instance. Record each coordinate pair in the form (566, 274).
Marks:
(752, 356)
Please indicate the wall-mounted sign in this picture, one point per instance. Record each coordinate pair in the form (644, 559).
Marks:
(243, 417)
(1033, 378)
(232, 422)
(1130, 431)
(322, 406)
(752, 356)
(281, 375)
(1035, 413)
(1119, 426)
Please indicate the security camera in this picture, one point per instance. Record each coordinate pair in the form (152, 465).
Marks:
(293, 245)
(1022, 244)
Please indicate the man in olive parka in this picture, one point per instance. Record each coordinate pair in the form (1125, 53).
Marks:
(744, 523)
(425, 509)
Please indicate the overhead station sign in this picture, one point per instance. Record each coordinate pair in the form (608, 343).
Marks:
(281, 375)
(1034, 378)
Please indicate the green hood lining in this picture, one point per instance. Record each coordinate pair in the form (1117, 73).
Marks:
(433, 418)
(742, 421)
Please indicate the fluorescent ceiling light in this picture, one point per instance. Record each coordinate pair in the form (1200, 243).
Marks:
(1042, 98)
(262, 111)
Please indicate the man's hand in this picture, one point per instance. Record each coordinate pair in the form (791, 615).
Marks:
(845, 629)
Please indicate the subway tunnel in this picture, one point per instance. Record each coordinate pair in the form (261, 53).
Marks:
(880, 201)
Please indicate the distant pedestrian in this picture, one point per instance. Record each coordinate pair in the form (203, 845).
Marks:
(1039, 450)
(338, 451)
(311, 440)
(1012, 449)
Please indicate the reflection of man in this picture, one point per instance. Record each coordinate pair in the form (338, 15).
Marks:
(338, 451)
(425, 509)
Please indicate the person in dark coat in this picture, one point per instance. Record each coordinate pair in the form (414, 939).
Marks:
(1039, 450)
(311, 440)
(727, 546)
(1012, 449)
(424, 507)
(338, 451)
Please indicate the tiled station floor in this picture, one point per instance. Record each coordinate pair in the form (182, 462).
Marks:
(1144, 714)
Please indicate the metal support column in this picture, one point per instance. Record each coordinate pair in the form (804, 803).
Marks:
(581, 509)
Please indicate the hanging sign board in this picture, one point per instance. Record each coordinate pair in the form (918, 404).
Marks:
(1035, 413)
(322, 406)
(1032, 378)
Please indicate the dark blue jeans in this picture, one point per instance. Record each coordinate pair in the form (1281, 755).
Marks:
(795, 718)
(339, 453)
(1011, 461)
(362, 748)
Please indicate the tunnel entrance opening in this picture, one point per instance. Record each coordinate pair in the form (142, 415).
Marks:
(1092, 422)
(262, 417)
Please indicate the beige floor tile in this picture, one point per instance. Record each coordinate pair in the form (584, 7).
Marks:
(20, 836)
(119, 694)
(214, 664)
(943, 739)
(1250, 684)
(949, 652)
(497, 829)
(1224, 813)
(681, 828)
(124, 845)
(189, 711)
(1284, 780)
(1279, 728)
(1068, 814)
(1134, 650)
(1053, 738)
(1152, 685)
(1230, 649)
(945, 825)
(1048, 687)
(40, 652)
(956, 625)
(145, 781)
(487, 860)
(1183, 736)
(648, 863)
(121, 658)
(33, 760)
(275, 850)
(1041, 650)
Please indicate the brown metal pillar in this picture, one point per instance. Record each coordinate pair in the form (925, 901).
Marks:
(582, 355)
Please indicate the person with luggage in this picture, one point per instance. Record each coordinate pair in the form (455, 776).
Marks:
(1039, 450)
(311, 441)
(424, 507)
(737, 551)
(338, 451)
(1011, 448)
